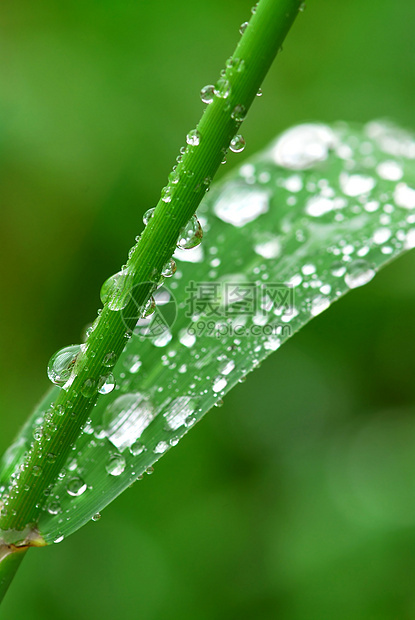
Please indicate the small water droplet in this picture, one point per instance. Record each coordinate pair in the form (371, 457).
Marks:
(115, 464)
(237, 144)
(207, 94)
(243, 27)
(96, 516)
(359, 272)
(404, 196)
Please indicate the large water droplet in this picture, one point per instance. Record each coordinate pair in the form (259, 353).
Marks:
(239, 205)
(191, 235)
(126, 418)
(116, 290)
(303, 146)
(62, 363)
(359, 272)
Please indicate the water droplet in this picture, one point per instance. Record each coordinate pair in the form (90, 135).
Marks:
(54, 508)
(133, 363)
(239, 205)
(148, 215)
(106, 384)
(359, 272)
(219, 384)
(149, 307)
(381, 235)
(161, 447)
(410, 239)
(115, 464)
(163, 339)
(228, 367)
(238, 113)
(76, 486)
(187, 339)
(178, 412)
(267, 245)
(390, 170)
(137, 448)
(222, 88)
(59, 538)
(259, 93)
(243, 27)
(126, 419)
(319, 304)
(169, 269)
(207, 94)
(116, 290)
(404, 196)
(272, 343)
(237, 144)
(96, 516)
(191, 235)
(61, 364)
(193, 137)
(356, 184)
(110, 359)
(318, 205)
(89, 388)
(338, 269)
(303, 146)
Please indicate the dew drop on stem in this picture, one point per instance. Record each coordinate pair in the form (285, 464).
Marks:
(62, 363)
(191, 235)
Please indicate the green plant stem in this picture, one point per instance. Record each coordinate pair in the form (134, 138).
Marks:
(253, 56)
(9, 563)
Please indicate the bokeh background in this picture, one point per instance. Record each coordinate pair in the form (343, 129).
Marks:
(295, 500)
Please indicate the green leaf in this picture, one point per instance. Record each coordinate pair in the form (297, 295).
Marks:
(289, 232)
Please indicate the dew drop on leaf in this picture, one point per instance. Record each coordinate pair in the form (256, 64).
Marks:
(359, 272)
(115, 464)
(76, 486)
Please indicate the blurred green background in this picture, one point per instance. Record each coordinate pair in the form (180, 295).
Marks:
(295, 500)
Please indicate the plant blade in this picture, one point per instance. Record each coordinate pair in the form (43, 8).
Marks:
(316, 214)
